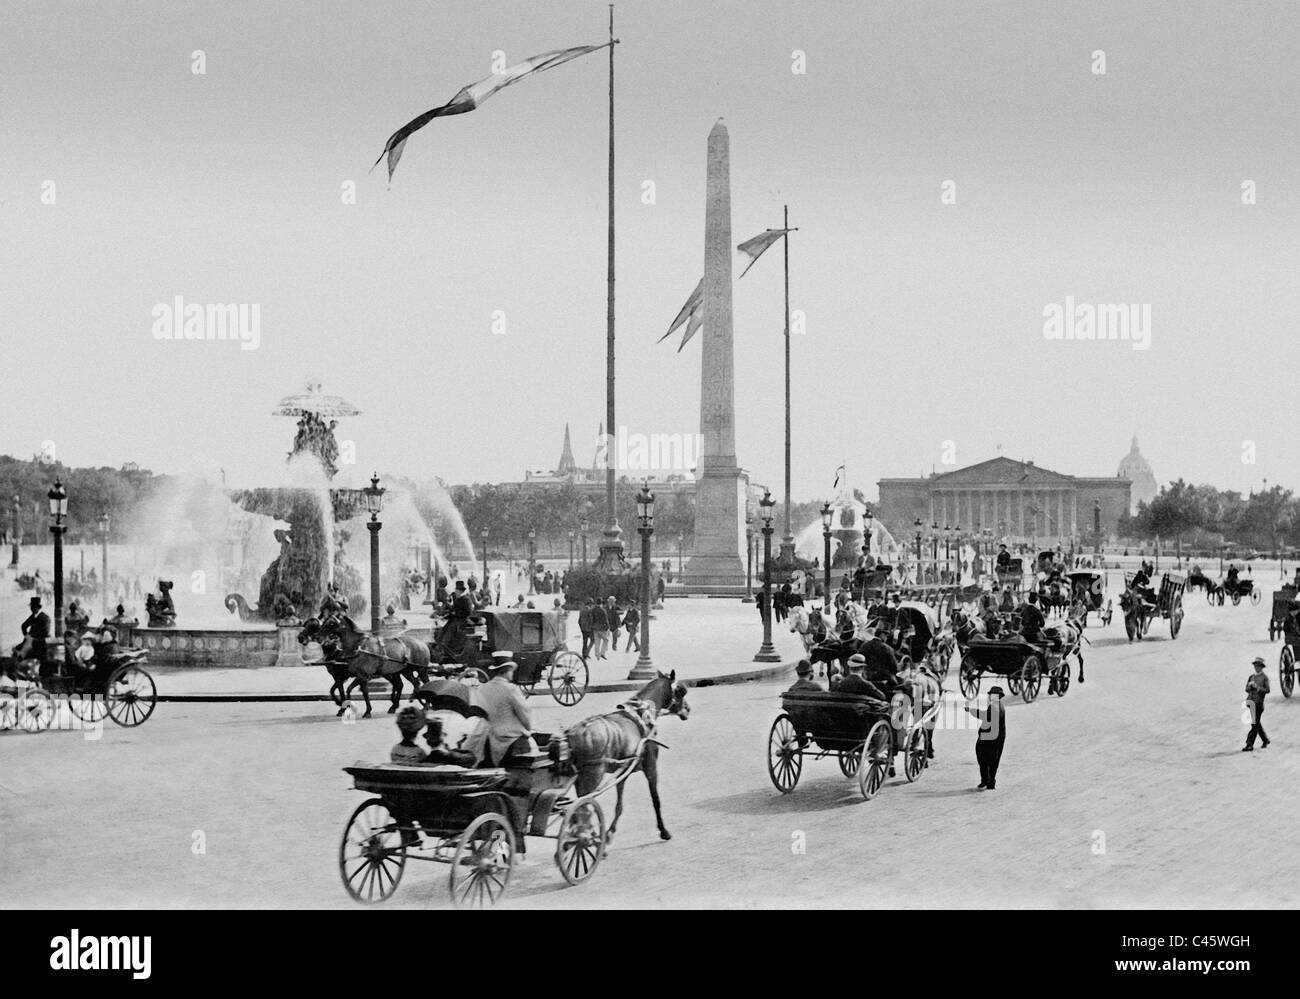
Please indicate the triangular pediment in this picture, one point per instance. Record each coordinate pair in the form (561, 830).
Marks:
(1002, 471)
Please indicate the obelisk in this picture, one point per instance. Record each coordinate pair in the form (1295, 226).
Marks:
(716, 564)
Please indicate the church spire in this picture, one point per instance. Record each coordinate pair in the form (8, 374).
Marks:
(567, 465)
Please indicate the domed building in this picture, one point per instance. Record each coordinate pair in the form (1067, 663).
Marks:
(1137, 470)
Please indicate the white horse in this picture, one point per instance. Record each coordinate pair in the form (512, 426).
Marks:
(802, 623)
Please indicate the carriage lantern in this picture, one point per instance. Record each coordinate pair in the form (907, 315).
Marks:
(766, 652)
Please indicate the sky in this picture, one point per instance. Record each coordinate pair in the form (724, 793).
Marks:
(924, 321)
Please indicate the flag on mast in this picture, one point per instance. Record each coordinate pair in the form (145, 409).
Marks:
(472, 96)
(753, 248)
(838, 472)
(691, 316)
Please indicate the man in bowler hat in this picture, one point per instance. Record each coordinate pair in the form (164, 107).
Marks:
(992, 737)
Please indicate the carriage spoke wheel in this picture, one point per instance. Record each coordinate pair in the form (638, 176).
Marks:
(1254, 597)
(969, 680)
(850, 760)
(1286, 671)
(1175, 619)
(91, 708)
(130, 696)
(877, 754)
(35, 710)
(372, 855)
(784, 755)
(914, 760)
(1031, 677)
(1061, 678)
(581, 841)
(481, 865)
(1236, 599)
(1013, 683)
(8, 710)
(568, 678)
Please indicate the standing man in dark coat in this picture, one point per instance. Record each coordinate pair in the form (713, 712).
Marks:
(614, 620)
(584, 626)
(1256, 690)
(992, 737)
(36, 633)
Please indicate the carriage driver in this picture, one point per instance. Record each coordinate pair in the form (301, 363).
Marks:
(1142, 585)
(1291, 623)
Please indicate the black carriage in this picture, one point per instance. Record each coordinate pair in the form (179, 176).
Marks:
(911, 630)
(121, 690)
(1239, 590)
(535, 639)
(1023, 664)
(863, 733)
(1088, 589)
(1282, 600)
(474, 820)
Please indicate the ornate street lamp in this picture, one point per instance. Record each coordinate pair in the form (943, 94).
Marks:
(934, 549)
(749, 558)
(645, 516)
(583, 527)
(483, 534)
(827, 517)
(767, 652)
(917, 524)
(681, 541)
(58, 497)
(374, 494)
(13, 535)
(103, 581)
(572, 537)
(532, 559)
(947, 548)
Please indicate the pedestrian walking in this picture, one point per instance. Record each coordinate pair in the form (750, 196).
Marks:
(992, 737)
(631, 620)
(584, 626)
(615, 621)
(1256, 690)
(599, 630)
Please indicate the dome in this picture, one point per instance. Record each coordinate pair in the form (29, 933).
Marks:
(1137, 470)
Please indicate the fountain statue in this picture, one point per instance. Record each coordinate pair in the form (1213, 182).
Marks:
(311, 563)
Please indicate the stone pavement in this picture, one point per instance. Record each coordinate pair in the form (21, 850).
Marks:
(705, 640)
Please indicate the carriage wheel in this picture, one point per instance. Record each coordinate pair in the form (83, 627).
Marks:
(581, 842)
(8, 710)
(481, 865)
(850, 760)
(914, 753)
(1175, 618)
(1013, 683)
(1031, 677)
(784, 754)
(35, 710)
(1254, 597)
(1236, 599)
(91, 708)
(1061, 677)
(372, 855)
(130, 696)
(877, 755)
(969, 679)
(1286, 670)
(568, 678)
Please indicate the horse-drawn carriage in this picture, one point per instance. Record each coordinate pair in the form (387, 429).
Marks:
(863, 733)
(535, 639)
(476, 819)
(120, 689)
(1238, 590)
(868, 584)
(1282, 600)
(1022, 663)
(911, 630)
(1139, 613)
(1012, 575)
(1088, 590)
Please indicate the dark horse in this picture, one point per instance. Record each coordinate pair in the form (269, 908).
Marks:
(604, 743)
(350, 652)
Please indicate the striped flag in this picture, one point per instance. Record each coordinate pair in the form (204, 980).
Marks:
(753, 248)
(691, 316)
(475, 94)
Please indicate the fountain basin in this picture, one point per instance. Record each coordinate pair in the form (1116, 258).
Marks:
(215, 647)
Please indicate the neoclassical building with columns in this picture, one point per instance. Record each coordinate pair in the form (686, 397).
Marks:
(1017, 500)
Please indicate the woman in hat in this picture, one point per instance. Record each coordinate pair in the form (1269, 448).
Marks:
(1256, 690)
(510, 723)
(992, 736)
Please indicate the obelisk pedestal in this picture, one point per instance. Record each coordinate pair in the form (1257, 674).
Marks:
(717, 565)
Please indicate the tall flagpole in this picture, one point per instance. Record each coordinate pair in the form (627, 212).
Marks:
(787, 542)
(611, 547)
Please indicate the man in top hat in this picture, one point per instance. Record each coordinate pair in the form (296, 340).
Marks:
(36, 633)
(1256, 690)
(804, 679)
(992, 736)
(510, 723)
(1004, 558)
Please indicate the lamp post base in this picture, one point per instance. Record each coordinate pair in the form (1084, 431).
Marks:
(767, 654)
(643, 670)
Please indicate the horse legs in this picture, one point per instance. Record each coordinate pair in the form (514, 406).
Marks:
(651, 767)
(365, 692)
(396, 680)
(618, 810)
(1078, 654)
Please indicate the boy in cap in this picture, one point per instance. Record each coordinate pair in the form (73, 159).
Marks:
(1256, 690)
(804, 679)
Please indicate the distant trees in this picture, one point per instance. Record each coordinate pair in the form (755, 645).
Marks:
(1203, 515)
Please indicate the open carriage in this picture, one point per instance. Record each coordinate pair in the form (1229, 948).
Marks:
(1138, 614)
(473, 819)
(1088, 589)
(911, 629)
(1023, 664)
(863, 733)
(121, 690)
(535, 639)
